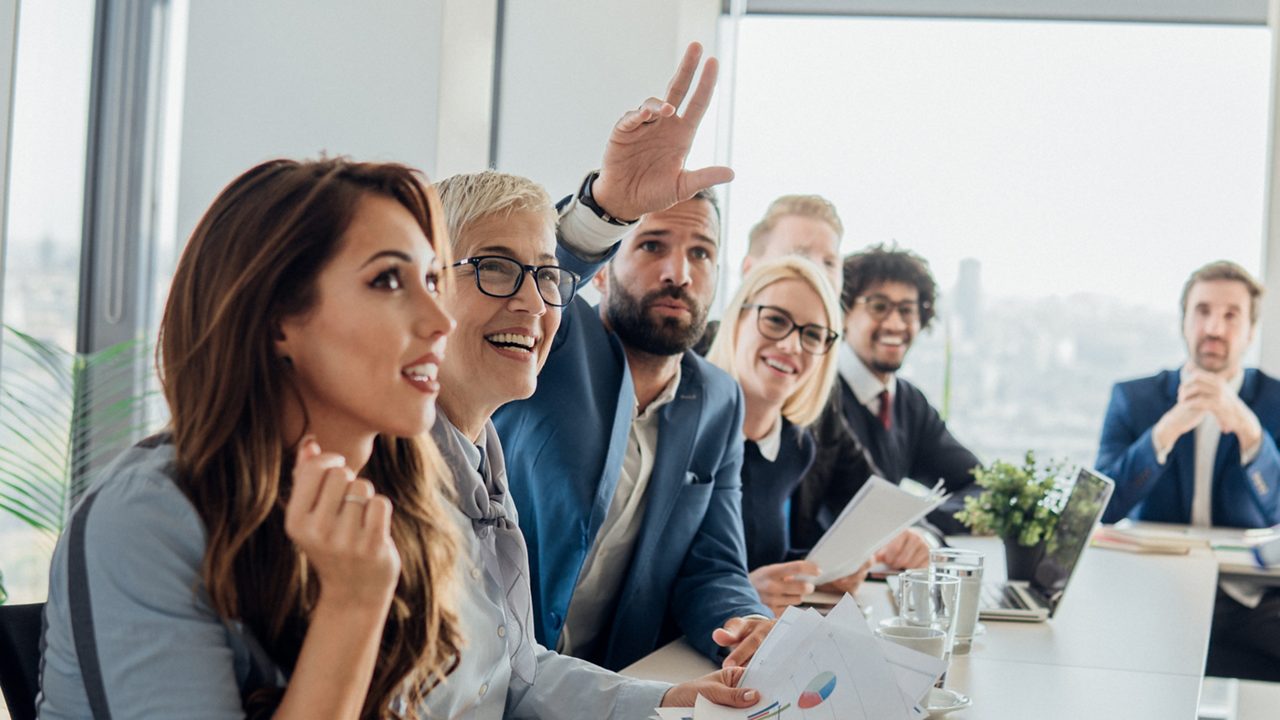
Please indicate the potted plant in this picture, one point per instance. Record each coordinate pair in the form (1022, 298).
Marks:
(62, 416)
(1020, 504)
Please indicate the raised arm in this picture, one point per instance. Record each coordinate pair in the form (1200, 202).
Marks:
(643, 167)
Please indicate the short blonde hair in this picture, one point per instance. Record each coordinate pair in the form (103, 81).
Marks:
(471, 197)
(806, 403)
(814, 207)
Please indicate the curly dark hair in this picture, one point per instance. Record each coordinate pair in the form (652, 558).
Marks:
(889, 263)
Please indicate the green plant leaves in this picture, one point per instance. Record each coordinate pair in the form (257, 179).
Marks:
(62, 415)
(1018, 501)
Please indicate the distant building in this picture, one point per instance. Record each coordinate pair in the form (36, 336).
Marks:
(966, 300)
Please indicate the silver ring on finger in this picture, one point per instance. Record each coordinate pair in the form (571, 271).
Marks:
(360, 499)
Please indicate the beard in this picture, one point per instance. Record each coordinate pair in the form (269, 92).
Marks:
(885, 367)
(629, 317)
(1210, 361)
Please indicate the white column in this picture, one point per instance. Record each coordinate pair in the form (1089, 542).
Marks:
(466, 86)
(1269, 326)
(8, 51)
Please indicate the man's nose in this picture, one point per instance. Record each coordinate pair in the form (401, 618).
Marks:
(893, 320)
(675, 270)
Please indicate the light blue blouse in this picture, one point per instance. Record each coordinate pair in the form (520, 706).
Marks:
(126, 576)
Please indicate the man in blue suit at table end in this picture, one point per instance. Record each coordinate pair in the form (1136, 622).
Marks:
(625, 463)
(1197, 445)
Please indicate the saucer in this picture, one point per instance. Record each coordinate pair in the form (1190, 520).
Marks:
(941, 701)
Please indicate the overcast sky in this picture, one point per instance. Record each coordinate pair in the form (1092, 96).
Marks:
(1067, 157)
(55, 40)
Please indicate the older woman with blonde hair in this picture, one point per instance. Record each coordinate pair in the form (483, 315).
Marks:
(776, 341)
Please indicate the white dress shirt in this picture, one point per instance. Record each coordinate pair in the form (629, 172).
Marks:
(864, 384)
(1207, 435)
(602, 573)
(771, 443)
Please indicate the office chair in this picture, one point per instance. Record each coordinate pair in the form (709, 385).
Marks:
(20, 627)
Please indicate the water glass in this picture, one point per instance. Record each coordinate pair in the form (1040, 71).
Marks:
(929, 599)
(967, 566)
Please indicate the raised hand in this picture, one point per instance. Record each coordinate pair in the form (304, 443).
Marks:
(779, 586)
(344, 529)
(643, 168)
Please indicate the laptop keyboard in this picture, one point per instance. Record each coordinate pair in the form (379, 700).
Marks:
(1001, 596)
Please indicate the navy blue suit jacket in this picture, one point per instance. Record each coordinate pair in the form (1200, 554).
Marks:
(1243, 495)
(564, 448)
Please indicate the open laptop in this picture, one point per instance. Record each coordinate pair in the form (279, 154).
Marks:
(1038, 600)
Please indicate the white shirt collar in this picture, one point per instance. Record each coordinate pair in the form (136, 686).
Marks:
(771, 443)
(864, 384)
(667, 395)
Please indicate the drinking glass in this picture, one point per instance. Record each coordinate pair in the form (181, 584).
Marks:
(967, 566)
(929, 599)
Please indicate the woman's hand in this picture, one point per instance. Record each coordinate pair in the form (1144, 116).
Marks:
(720, 687)
(848, 583)
(778, 585)
(344, 529)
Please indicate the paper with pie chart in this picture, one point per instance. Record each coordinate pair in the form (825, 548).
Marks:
(831, 670)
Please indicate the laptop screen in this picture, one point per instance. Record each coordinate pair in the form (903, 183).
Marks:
(1088, 499)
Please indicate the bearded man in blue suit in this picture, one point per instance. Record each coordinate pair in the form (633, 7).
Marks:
(1197, 445)
(625, 463)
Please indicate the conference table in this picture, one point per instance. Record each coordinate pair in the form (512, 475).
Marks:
(1128, 641)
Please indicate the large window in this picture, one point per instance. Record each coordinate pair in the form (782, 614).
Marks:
(46, 199)
(1062, 179)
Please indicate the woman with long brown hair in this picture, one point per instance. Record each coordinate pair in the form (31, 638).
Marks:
(285, 549)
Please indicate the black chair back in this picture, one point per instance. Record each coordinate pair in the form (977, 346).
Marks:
(20, 627)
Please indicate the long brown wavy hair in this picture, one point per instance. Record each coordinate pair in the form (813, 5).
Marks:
(251, 262)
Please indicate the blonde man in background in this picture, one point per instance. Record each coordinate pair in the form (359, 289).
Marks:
(804, 225)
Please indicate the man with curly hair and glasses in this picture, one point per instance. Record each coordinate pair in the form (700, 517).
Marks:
(888, 298)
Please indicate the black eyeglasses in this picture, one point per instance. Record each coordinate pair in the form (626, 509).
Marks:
(776, 324)
(879, 307)
(501, 277)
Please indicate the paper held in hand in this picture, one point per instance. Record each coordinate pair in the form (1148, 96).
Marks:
(879, 511)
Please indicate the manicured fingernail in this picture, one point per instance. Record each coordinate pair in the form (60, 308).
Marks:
(750, 695)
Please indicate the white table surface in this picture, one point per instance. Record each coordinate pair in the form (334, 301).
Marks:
(1128, 641)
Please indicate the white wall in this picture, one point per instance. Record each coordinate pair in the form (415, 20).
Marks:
(270, 78)
(570, 69)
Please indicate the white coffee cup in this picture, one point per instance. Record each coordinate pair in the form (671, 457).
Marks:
(930, 641)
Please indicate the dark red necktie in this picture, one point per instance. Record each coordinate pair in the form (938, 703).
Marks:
(886, 409)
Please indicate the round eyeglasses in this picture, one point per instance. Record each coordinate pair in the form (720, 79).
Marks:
(776, 324)
(501, 277)
(879, 307)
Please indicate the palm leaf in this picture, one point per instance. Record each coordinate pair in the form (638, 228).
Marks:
(63, 415)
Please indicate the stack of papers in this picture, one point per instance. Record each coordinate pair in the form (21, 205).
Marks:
(812, 667)
(1147, 540)
(878, 512)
